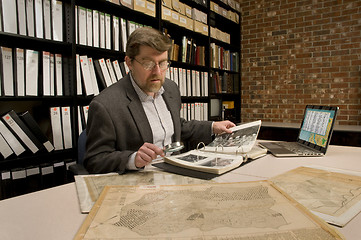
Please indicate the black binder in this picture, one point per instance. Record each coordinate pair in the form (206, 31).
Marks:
(6, 184)
(18, 176)
(99, 75)
(69, 174)
(33, 179)
(24, 128)
(47, 175)
(35, 129)
(59, 172)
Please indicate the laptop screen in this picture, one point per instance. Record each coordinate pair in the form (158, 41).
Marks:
(317, 126)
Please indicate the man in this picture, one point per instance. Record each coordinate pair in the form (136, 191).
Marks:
(131, 121)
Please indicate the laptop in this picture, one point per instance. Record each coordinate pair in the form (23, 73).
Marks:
(314, 135)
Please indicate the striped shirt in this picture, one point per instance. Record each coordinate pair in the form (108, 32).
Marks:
(159, 118)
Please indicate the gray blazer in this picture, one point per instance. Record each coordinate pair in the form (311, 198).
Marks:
(117, 126)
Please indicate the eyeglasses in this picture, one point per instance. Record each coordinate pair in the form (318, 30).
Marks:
(149, 65)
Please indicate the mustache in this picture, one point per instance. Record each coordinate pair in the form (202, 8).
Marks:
(156, 77)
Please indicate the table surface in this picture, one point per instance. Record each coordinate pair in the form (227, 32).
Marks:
(55, 213)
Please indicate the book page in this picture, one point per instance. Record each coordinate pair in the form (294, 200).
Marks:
(241, 140)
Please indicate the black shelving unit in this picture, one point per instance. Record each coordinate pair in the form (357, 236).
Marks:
(39, 106)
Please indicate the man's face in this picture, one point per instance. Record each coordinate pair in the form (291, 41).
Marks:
(150, 81)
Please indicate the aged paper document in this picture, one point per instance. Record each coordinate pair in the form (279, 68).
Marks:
(89, 187)
(247, 210)
(332, 194)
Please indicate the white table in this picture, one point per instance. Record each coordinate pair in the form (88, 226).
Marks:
(55, 214)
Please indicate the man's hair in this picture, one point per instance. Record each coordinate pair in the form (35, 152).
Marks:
(146, 36)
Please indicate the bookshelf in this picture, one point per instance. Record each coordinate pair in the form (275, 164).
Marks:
(178, 26)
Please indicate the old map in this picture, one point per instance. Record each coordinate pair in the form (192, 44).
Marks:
(248, 210)
(89, 187)
(332, 194)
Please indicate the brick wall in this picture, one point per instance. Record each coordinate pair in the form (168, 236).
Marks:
(300, 52)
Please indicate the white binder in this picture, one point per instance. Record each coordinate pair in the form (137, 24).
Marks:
(20, 71)
(57, 14)
(7, 67)
(87, 81)
(55, 118)
(32, 73)
(21, 17)
(66, 126)
(46, 73)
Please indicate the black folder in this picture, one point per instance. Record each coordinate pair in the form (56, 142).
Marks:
(18, 176)
(59, 172)
(33, 179)
(35, 129)
(47, 175)
(6, 184)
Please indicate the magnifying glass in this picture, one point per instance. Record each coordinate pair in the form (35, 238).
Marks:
(174, 147)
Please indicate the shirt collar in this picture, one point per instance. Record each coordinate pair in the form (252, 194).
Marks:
(142, 95)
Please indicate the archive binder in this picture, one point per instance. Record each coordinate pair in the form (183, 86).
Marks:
(59, 74)
(116, 33)
(19, 72)
(87, 79)
(18, 176)
(14, 122)
(101, 29)
(111, 71)
(47, 175)
(6, 184)
(30, 22)
(89, 27)
(82, 25)
(102, 73)
(33, 179)
(32, 72)
(93, 77)
(108, 40)
(47, 19)
(46, 74)
(21, 17)
(35, 128)
(57, 17)
(39, 18)
(59, 172)
(5, 149)
(66, 127)
(55, 118)
(7, 71)
(9, 16)
(10, 138)
(95, 28)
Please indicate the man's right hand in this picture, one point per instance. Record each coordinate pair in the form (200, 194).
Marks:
(146, 153)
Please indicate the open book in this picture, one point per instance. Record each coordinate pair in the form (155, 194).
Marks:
(226, 152)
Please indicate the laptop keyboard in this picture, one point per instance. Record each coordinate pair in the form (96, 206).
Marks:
(298, 149)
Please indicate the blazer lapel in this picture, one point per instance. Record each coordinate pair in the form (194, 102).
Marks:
(136, 109)
(173, 108)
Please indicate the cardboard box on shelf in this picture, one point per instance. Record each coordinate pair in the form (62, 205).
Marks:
(166, 14)
(150, 8)
(199, 16)
(214, 7)
(127, 3)
(200, 27)
(186, 22)
(139, 5)
(188, 10)
(167, 3)
(175, 5)
(175, 17)
(182, 8)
